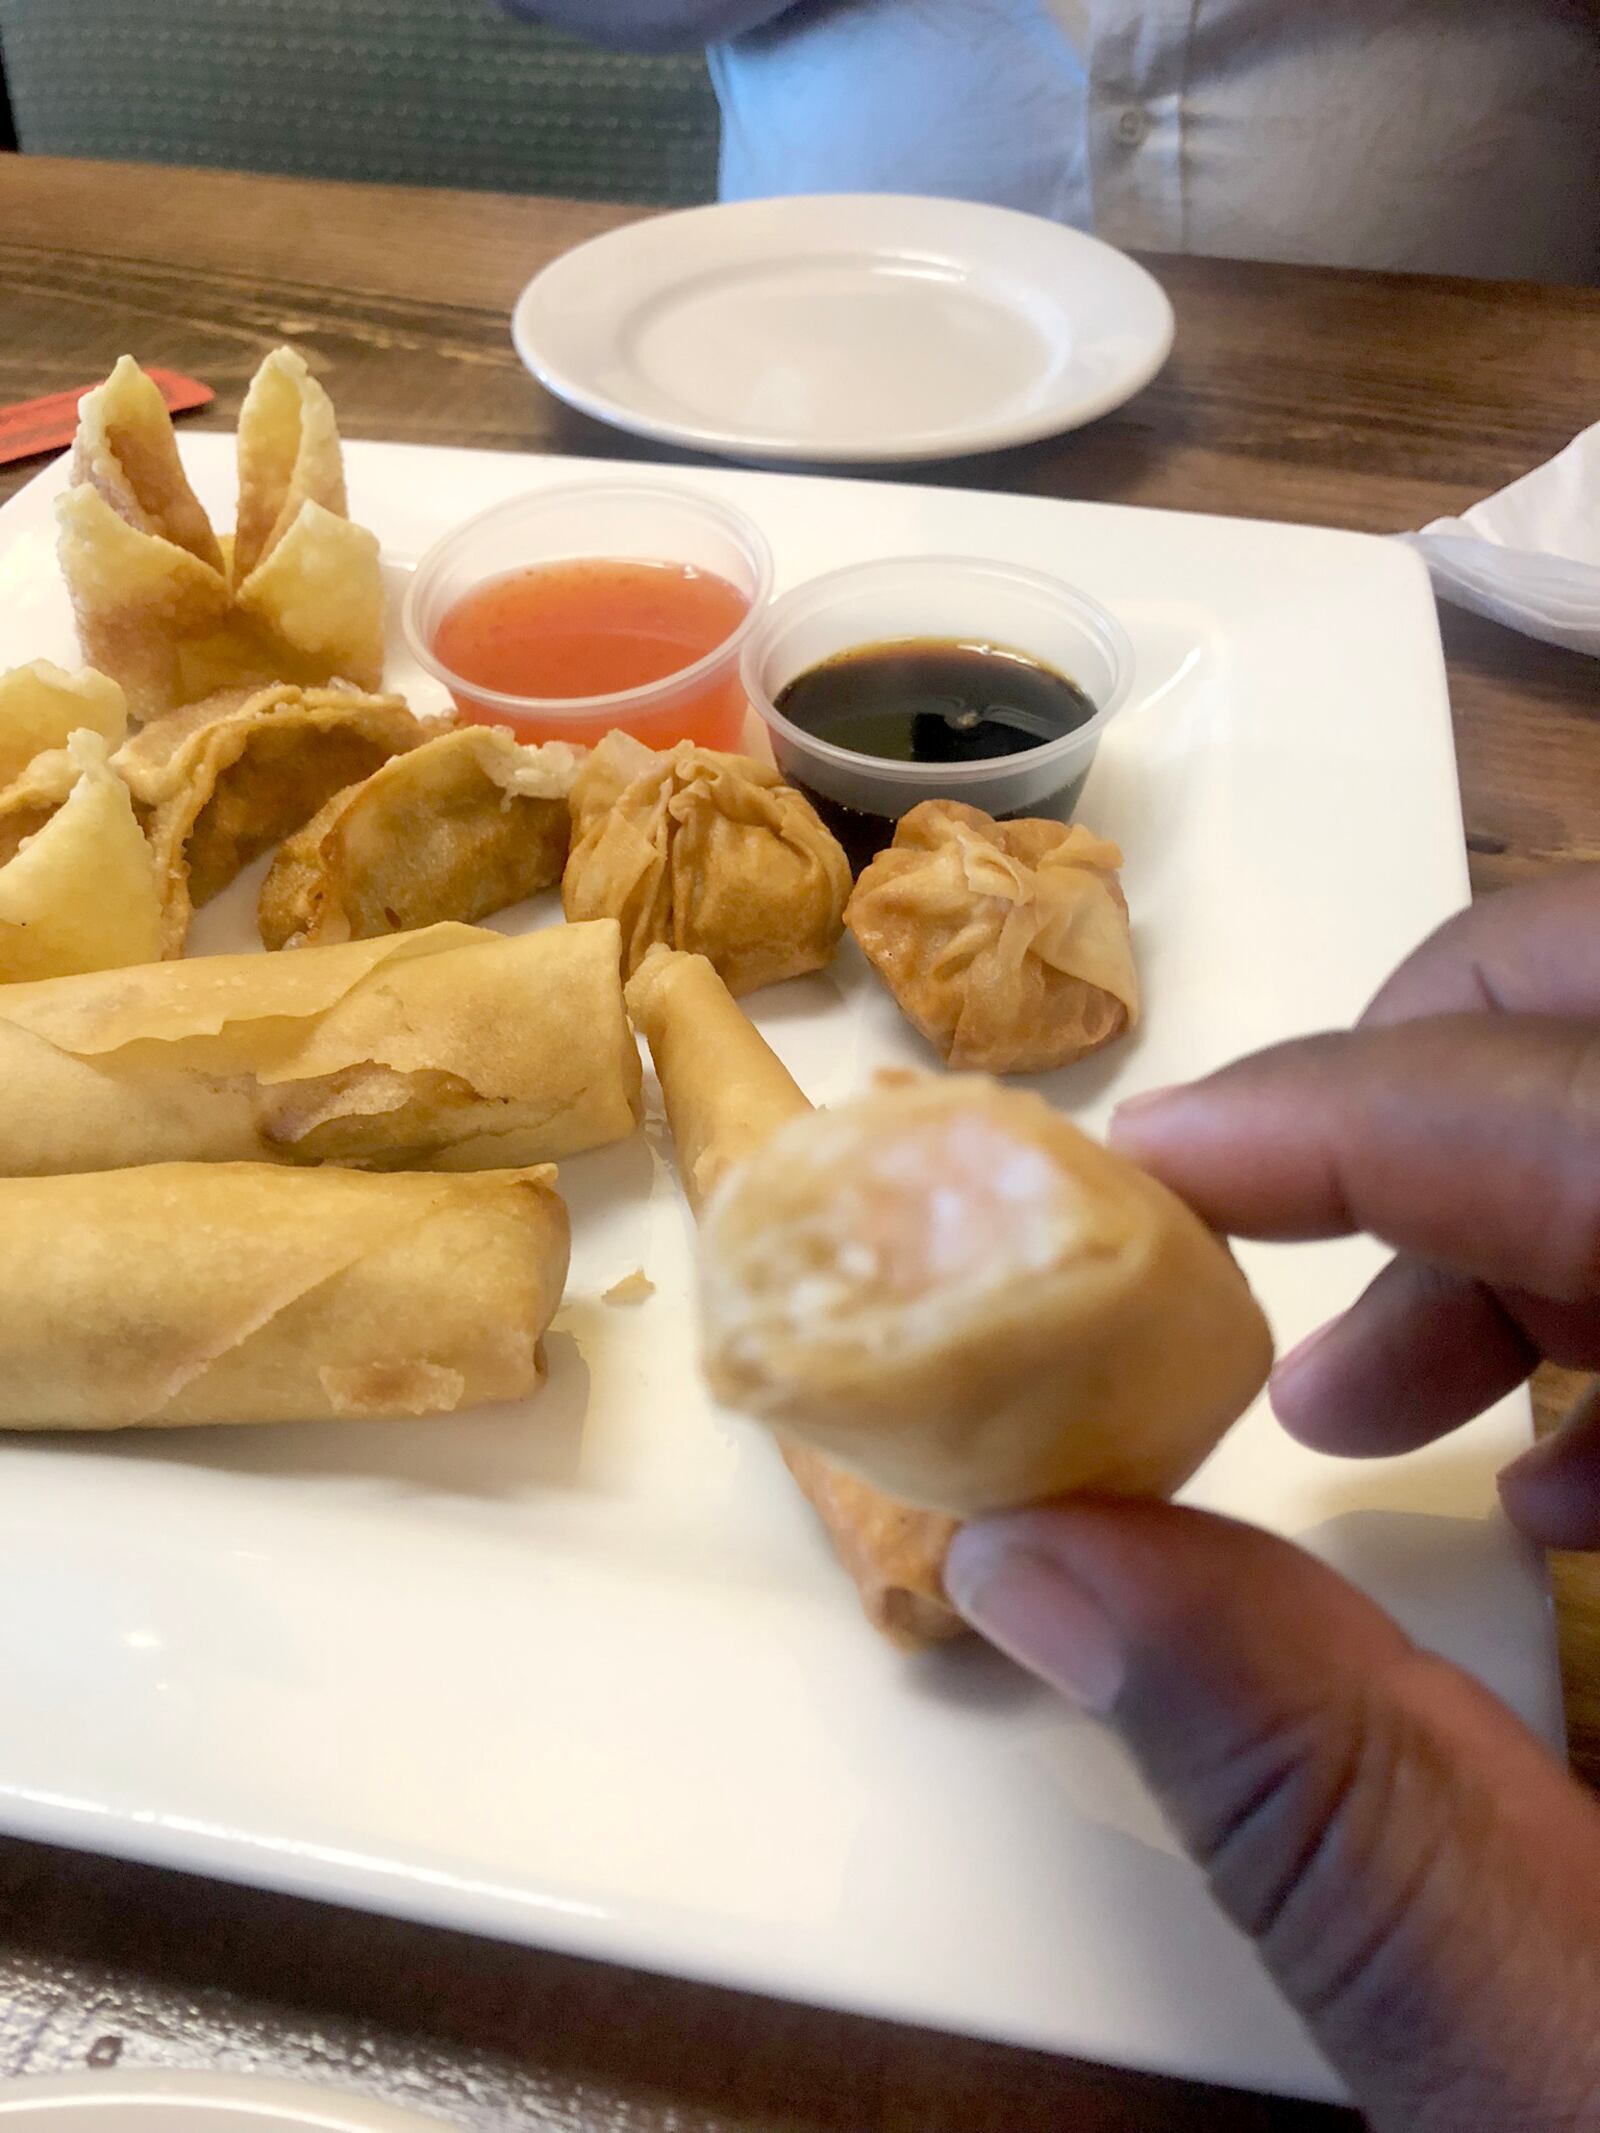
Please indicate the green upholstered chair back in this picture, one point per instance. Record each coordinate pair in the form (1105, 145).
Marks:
(423, 92)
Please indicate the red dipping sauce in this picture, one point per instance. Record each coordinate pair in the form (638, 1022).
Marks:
(600, 627)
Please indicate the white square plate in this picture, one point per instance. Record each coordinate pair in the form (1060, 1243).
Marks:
(586, 1674)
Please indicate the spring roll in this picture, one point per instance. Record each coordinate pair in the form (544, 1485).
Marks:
(452, 1048)
(726, 1094)
(947, 1288)
(235, 1292)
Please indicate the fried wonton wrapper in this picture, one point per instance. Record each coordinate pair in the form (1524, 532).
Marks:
(193, 1292)
(961, 1298)
(29, 801)
(709, 853)
(226, 778)
(450, 1049)
(726, 1094)
(159, 605)
(78, 892)
(41, 704)
(461, 826)
(1005, 943)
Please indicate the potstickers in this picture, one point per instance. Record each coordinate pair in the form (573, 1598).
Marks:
(220, 781)
(162, 606)
(1005, 943)
(709, 853)
(467, 823)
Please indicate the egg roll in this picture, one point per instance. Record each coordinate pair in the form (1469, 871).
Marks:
(951, 1291)
(449, 1049)
(726, 1094)
(235, 1292)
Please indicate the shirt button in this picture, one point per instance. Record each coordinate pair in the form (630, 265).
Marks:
(1132, 126)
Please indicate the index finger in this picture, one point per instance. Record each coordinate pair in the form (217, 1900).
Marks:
(1529, 950)
(1471, 1141)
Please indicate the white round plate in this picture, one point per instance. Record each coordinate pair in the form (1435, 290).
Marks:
(844, 326)
(159, 2102)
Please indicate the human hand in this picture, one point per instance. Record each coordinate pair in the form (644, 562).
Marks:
(1420, 1877)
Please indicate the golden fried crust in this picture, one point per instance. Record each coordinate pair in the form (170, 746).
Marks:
(708, 853)
(1005, 944)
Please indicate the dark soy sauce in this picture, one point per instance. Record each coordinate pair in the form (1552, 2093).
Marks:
(931, 700)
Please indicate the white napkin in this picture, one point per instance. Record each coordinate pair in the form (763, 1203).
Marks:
(1529, 556)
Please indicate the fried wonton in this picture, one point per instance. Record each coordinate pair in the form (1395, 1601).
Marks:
(466, 824)
(222, 780)
(708, 853)
(77, 892)
(160, 606)
(41, 704)
(29, 801)
(1005, 943)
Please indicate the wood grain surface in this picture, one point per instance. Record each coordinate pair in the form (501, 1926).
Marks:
(1341, 399)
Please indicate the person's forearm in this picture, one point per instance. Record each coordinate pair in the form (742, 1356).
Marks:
(650, 25)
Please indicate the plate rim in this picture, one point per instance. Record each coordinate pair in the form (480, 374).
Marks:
(276, 2099)
(922, 448)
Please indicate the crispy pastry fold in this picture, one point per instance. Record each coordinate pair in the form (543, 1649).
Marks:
(194, 1292)
(450, 1049)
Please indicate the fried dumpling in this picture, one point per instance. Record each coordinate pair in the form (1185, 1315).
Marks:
(126, 451)
(78, 890)
(149, 612)
(222, 780)
(300, 569)
(469, 822)
(160, 605)
(1005, 943)
(40, 704)
(28, 802)
(709, 853)
(289, 456)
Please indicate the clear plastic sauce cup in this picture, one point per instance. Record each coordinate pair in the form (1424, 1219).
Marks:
(596, 524)
(939, 598)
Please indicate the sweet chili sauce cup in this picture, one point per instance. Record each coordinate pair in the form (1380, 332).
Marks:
(913, 600)
(572, 610)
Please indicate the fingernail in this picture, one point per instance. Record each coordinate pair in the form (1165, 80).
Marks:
(1287, 1365)
(1020, 1597)
(1547, 1452)
(1133, 1108)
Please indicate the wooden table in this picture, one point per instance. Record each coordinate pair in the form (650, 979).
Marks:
(1340, 399)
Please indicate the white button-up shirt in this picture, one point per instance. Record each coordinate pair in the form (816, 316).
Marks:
(1448, 136)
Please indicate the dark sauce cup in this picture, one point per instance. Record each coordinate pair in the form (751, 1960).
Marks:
(908, 598)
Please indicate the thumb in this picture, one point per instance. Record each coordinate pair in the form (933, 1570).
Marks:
(1419, 1876)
